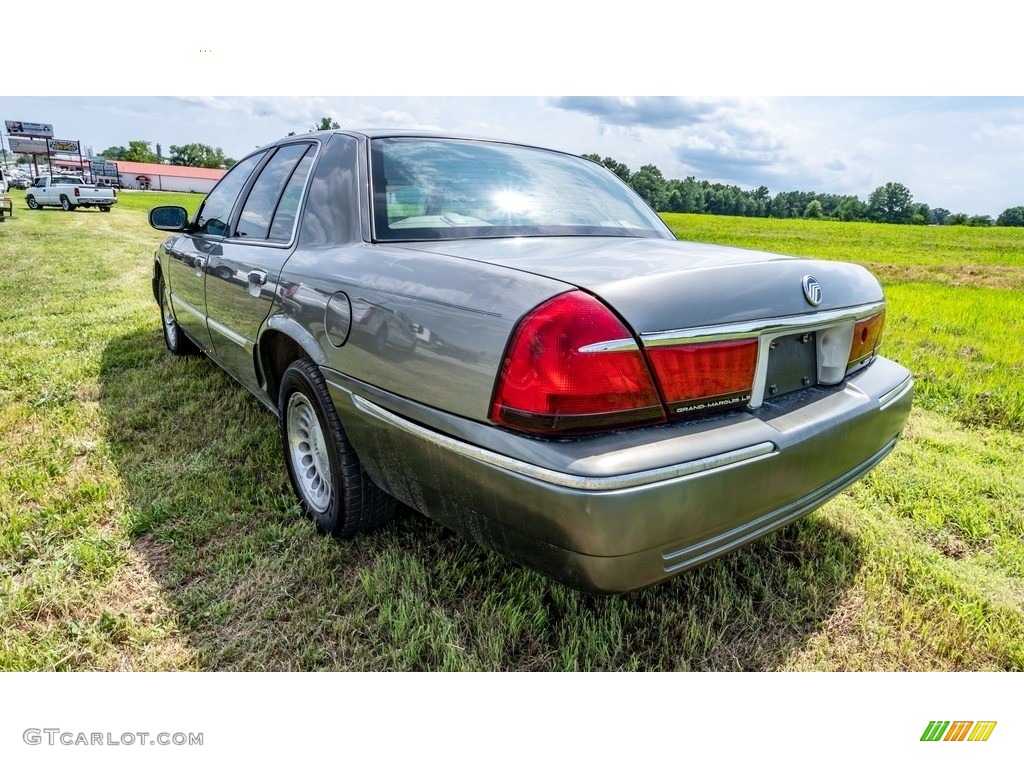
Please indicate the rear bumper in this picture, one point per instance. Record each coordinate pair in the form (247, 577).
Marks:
(95, 201)
(623, 511)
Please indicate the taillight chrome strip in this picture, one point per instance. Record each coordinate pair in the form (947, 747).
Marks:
(613, 345)
(755, 328)
(564, 479)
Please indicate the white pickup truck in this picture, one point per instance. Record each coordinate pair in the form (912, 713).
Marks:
(69, 192)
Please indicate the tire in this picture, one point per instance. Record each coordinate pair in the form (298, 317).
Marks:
(177, 342)
(31, 201)
(105, 208)
(66, 204)
(322, 465)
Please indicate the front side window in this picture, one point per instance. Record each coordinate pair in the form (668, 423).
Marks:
(442, 189)
(213, 215)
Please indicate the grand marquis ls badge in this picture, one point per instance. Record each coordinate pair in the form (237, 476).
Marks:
(812, 290)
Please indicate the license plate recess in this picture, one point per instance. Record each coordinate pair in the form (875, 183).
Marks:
(792, 364)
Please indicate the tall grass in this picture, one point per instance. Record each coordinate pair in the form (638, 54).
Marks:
(886, 244)
(146, 520)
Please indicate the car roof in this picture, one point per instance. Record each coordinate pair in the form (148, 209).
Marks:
(395, 133)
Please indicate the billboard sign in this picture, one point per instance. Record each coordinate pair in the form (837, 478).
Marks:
(19, 128)
(63, 145)
(28, 147)
(101, 167)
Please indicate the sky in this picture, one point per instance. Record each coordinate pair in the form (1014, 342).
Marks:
(789, 95)
(965, 154)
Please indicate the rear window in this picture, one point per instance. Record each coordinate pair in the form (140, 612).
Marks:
(443, 189)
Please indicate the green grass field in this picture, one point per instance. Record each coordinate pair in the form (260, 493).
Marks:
(146, 521)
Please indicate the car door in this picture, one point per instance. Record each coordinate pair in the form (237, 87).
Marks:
(41, 191)
(190, 254)
(241, 277)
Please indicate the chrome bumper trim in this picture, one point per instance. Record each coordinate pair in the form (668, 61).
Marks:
(755, 529)
(896, 393)
(564, 479)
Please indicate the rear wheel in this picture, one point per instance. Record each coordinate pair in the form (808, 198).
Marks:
(65, 203)
(105, 208)
(32, 203)
(322, 465)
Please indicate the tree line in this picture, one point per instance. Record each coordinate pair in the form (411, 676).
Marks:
(891, 203)
(191, 155)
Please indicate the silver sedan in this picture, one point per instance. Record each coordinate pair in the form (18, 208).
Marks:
(508, 340)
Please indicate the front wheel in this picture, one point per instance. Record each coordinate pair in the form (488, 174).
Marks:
(177, 342)
(32, 203)
(65, 203)
(323, 467)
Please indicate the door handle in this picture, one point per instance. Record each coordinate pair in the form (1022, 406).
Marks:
(257, 278)
(200, 262)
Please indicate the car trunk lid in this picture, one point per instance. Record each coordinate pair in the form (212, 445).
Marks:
(663, 285)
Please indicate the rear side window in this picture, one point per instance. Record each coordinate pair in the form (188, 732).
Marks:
(213, 216)
(269, 211)
(331, 212)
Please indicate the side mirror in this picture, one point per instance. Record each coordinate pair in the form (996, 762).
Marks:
(170, 218)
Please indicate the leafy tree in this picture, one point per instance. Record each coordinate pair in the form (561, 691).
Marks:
(619, 169)
(786, 205)
(139, 152)
(920, 213)
(758, 201)
(1011, 217)
(891, 203)
(198, 156)
(779, 207)
(940, 215)
(326, 124)
(979, 221)
(651, 186)
(957, 219)
(813, 210)
(851, 208)
(686, 196)
(113, 153)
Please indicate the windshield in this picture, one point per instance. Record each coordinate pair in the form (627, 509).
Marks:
(443, 189)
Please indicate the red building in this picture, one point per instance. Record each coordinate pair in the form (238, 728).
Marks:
(170, 178)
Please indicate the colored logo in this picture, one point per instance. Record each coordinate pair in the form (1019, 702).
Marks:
(958, 730)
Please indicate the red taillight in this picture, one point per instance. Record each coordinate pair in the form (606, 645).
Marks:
(573, 367)
(115, 192)
(76, 193)
(867, 335)
(696, 378)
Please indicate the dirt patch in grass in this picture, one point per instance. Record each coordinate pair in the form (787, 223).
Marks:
(956, 275)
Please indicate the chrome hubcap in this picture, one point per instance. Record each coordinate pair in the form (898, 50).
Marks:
(170, 326)
(308, 452)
